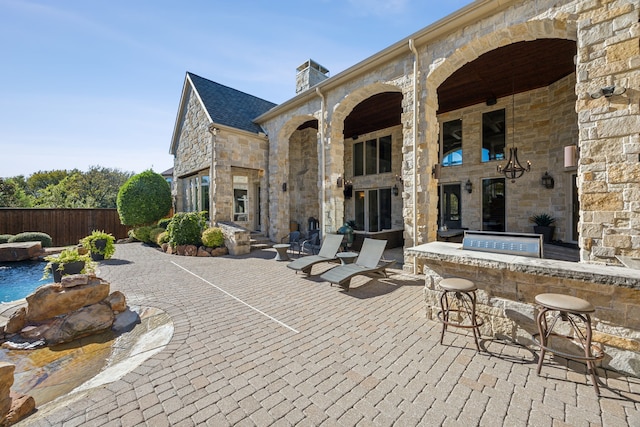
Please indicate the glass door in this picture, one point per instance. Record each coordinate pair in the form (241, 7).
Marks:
(493, 204)
(449, 206)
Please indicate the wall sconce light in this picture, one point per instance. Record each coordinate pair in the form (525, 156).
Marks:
(339, 182)
(547, 180)
(468, 186)
(395, 190)
(348, 189)
(435, 171)
(284, 187)
(570, 156)
(608, 92)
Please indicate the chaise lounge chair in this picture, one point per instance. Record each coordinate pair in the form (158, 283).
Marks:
(369, 263)
(328, 250)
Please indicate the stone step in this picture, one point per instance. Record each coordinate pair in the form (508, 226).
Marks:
(259, 241)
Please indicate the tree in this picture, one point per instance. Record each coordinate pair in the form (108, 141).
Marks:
(12, 195)
(144, 199)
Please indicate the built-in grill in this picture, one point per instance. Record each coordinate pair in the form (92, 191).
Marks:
(524, 244)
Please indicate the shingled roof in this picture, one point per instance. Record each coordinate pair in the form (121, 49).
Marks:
(230, 107)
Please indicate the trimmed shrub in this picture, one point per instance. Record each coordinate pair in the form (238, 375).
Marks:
(213, 237)
(164, 222)
(186, 228)
(143, 199)
(154, 233)
(162, 238)
(32, 236)
(4, 238)
(142, 233)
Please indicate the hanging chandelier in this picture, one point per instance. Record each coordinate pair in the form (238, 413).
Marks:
(513, 169)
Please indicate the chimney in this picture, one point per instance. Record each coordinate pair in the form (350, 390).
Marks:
(310, 74)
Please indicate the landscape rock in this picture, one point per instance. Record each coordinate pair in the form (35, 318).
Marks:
(20, 251)
(117, 302)
(202, 252)
(21, 407)
(219, 251)
(73, 280)
(6, 381)
(51, 300)
(17, 321)
(81, 323)
(190, 250)
(125, 321)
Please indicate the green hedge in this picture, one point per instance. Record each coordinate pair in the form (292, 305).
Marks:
(32, 236)
(186, 228)
(143, 199)
(4, 238)
(213, 237)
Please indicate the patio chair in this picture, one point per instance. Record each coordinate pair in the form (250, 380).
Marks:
(294, 239)
(312, 244)
(369, 263)
(328, 250)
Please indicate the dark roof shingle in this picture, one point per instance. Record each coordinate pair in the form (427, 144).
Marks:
(228, 106)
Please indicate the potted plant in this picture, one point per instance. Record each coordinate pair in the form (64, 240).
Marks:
(543, 225)
(69, 261)
(99, 244)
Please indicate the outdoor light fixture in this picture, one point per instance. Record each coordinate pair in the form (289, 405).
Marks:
(468, 186)
(608, 92)
(570, 156)
(435, 171)
(513, 169)
(395, 190)
(547, 180)
(339, 182)
(284, 186)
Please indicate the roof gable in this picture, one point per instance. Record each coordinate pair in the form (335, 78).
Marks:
(229, 107)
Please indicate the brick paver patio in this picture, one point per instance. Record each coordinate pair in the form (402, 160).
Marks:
(256, 344)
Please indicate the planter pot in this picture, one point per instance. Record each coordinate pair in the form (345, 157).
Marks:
(100, 244)
(68, 268)
(546, 231)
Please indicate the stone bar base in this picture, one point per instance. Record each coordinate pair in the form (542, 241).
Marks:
(508, 285)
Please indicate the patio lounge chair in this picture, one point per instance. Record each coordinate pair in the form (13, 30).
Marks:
(369, 263)
(328, 250)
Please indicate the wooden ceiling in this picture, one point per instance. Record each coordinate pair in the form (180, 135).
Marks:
(514, 68)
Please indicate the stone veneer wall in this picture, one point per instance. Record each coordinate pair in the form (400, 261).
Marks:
(193, 151)
(544, 123)
(609, 161)
(506, 302)
(303, 177)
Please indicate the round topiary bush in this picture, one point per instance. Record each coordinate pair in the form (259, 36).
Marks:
(4, 238)
(162, 238)
(186, 228)
(32, 236)
(213, 237)
(143, 199)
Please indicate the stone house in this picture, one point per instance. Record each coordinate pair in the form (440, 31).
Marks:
(438, 130)
(430, 119)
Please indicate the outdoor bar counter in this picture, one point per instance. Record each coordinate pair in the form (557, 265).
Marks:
(508, 285)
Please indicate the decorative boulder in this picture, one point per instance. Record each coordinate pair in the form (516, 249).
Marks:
(55, 299)
(86, 321)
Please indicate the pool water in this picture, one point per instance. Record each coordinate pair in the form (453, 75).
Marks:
(19, 279)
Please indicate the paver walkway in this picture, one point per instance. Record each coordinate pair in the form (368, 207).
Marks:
(256, 344)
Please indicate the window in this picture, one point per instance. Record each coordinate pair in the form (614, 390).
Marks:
(493, 204)
(372, 156)
(452, 143)
(493, 135)
(195, 192)
(241, 198)
(373, 209)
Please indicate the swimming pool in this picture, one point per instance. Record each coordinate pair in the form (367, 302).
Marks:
(19, 279)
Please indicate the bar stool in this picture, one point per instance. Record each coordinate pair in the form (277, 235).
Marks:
(573, 310)
(464, 292)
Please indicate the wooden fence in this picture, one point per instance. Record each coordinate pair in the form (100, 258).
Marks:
(65, 226)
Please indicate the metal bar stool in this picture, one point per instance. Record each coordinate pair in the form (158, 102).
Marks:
(572, 310)
(464, 292)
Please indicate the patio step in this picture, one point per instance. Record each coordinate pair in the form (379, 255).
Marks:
(260, 241)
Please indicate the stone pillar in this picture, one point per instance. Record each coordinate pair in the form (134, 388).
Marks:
(609, 128)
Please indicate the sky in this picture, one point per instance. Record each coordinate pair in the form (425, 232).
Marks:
(98, 83)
